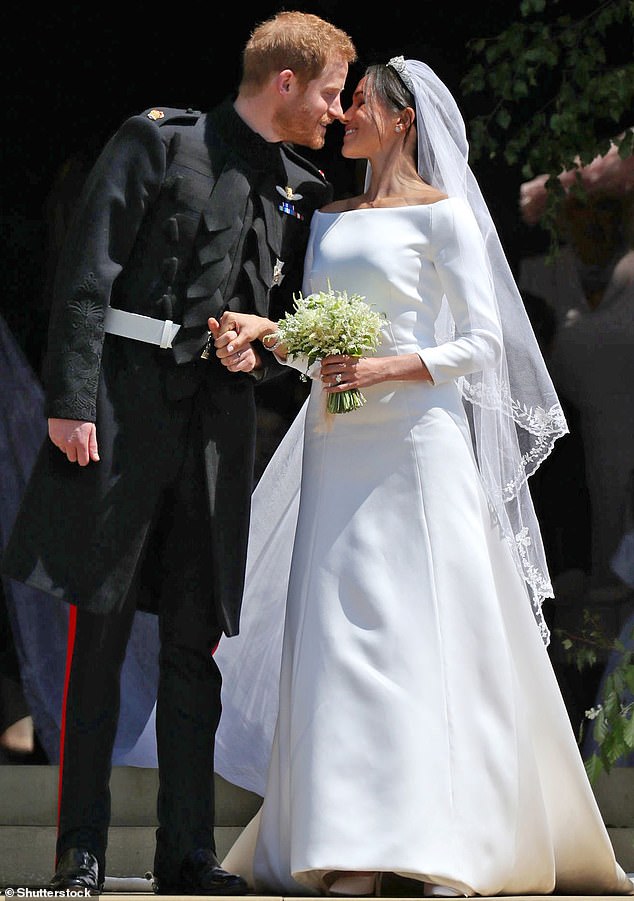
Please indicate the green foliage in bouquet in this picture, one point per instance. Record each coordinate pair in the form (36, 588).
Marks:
(332, 322)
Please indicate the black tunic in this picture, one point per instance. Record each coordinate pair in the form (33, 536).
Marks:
(182, 217)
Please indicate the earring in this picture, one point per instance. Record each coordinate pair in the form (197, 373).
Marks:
(398, 128)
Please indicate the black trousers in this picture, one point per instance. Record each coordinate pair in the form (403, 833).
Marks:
(178, 563)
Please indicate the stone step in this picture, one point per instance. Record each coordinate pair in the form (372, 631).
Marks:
(27, 853)
(28, 816)
(28, 797)
(28, 813)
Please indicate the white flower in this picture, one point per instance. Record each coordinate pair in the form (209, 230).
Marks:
(332, 322)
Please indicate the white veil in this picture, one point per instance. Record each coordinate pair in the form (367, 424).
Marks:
(513, 409)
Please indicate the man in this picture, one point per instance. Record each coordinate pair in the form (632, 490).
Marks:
(141, 497)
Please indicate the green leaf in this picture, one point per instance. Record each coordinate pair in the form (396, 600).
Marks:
(600, 730)
(594, 768)
(561, 82)
(628, 730)
(503, 118)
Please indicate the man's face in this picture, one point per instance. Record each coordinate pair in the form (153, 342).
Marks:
(311, 108)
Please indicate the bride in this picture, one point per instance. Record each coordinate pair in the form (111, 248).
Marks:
(390, 694)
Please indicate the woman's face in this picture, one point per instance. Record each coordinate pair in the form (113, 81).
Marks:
(366, 126)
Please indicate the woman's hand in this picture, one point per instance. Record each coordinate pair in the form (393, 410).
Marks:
(340, 372)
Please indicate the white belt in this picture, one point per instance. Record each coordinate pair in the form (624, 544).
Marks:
(141, 328)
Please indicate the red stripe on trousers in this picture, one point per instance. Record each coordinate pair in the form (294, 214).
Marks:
(70, 647)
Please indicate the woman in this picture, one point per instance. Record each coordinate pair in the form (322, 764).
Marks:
(418, 729)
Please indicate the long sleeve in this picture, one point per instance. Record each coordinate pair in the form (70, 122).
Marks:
(116, 196)
(461, 267)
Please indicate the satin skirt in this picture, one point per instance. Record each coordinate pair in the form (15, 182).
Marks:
(419, 728)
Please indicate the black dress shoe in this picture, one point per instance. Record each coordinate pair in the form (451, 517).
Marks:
(77, 868)
(201, 874)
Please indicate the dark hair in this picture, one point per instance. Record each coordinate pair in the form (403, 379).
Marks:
(384, 86)
(384, 83)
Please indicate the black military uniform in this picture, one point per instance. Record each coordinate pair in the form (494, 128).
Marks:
(183, 216)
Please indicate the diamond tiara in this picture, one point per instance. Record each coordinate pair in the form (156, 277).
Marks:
(398, 64)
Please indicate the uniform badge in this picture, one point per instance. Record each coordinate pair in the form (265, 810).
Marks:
(287, 205)
(277, 272)
(155, 114)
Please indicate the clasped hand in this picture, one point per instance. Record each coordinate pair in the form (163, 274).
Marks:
(233, 337)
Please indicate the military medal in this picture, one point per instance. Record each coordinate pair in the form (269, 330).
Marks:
(206, 351)
(278, 275)
(287, 206)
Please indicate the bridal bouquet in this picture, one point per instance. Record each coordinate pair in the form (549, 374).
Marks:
(332, 322)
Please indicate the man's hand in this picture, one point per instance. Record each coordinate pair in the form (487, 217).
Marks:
(76, 439)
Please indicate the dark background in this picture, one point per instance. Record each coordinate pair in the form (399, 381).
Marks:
(74, 71)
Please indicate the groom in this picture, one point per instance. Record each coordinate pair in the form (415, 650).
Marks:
(141, 496)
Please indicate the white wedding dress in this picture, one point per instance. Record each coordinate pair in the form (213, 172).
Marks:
(421, 730)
